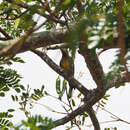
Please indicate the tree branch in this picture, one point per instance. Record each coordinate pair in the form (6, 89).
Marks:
(4, 39)
(93, 117)
(72, 81)
(70, 116)
(93, 65)
(121, 41)
(7, 37)
(36, 40)
(46, 38)
(77, 112)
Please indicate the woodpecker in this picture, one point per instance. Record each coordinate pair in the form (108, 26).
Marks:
(67, 64)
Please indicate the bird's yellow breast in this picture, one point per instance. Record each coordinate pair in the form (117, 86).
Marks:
(66, 64)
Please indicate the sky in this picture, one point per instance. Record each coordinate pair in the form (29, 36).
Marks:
(36, 73)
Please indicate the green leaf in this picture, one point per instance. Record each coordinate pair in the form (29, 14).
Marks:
(13, 98)
(2, 94)
(105, 98)
(21, 109)
(42, 88)
(103, 102)
(45, 92)
(73, 102)
(10, 116)
(11, 110)
(22, 87)
(83, 120)
(107, 95)
(6, 89)
(79, 95)
(27, 113)
(35, 97)
(16, 98)
(70, 93)
(6, 122)
(117, 86)
(17, 90)
(18, 59)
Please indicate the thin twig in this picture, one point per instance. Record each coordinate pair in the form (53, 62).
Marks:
(50, 109)
(5, 34)
(5, 39)
(76, 123)
(103, 122)
(57, 99)
(114, 116)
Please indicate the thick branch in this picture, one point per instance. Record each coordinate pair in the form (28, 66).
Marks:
(44, 39)
(77, 112)
(36, 40)
(121, 35)
(62, 72)
(94, 119)
(93, 65)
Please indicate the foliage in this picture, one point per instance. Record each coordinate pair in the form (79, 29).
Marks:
(36, 123)
(9, 79)
(5, 124)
